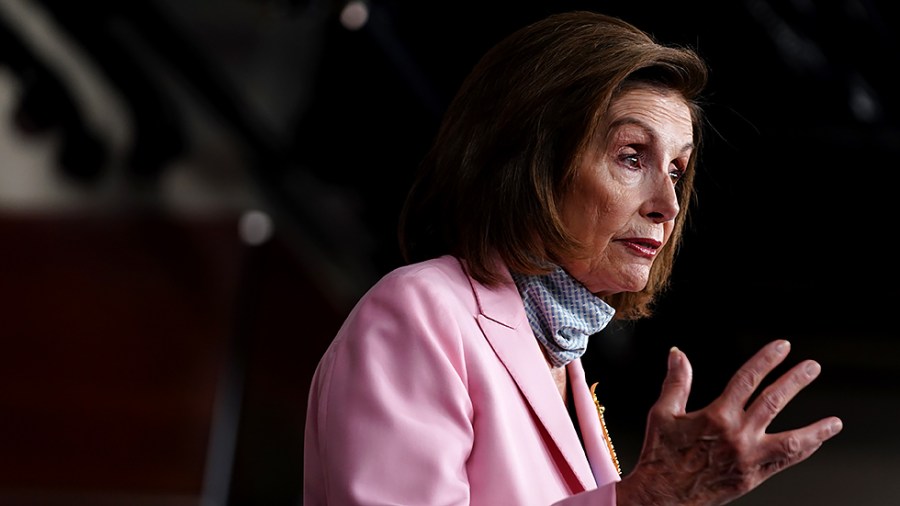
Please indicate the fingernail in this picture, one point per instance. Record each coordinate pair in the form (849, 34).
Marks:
(836, 427)
(674, 356)
(813, 369)
(782, 346)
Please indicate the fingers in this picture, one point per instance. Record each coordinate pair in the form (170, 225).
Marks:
(747, 379)
(776, 396)
(788, 448)
(720, 452)
(677, 385)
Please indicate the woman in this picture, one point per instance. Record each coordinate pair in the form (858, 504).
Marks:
(551, 202)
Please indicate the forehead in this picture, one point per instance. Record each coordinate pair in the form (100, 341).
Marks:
(663, 113)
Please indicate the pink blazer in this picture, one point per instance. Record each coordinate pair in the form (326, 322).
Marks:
(435, 392)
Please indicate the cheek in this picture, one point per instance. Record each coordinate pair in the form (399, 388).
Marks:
(595, 208)
(591, 220)
(668, 227)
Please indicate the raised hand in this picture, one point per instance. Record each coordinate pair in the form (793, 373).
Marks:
(716, 454)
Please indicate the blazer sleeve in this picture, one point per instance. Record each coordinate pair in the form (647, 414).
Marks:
(389, 419)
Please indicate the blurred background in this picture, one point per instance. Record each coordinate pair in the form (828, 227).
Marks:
(194, 193)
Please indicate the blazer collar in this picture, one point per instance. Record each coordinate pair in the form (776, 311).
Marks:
(504, 323)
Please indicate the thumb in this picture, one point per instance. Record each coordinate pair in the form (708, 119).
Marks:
(677, 384)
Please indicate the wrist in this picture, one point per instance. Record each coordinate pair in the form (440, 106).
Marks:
(633, 490)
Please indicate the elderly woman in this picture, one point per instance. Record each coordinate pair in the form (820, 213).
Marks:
(551, 202)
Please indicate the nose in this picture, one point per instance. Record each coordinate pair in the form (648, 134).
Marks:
(662, 204)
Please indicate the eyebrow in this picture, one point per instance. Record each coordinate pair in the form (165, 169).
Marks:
(615, 125)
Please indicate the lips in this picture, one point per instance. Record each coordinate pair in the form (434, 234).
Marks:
(642, 246)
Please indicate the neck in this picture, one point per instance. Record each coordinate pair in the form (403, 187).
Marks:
(559, 377)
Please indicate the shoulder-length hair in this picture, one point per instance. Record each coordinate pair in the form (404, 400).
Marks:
(512, 138)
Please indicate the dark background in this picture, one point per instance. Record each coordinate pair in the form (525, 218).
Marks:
(153, 357)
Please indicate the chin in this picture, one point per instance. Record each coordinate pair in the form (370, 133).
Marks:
(611, 282)
(633, 285)
(618, 289)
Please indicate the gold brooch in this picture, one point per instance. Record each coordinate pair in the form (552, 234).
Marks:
(600, 410)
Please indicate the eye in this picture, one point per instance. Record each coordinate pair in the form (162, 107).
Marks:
(631, 159)
(677, 169)
(676, 173)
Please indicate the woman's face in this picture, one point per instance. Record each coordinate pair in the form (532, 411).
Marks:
(623, 204)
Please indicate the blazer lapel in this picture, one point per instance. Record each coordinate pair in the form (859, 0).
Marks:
(506, 328)
(602, 463)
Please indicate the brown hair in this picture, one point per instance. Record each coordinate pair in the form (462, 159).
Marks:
(511, 139)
